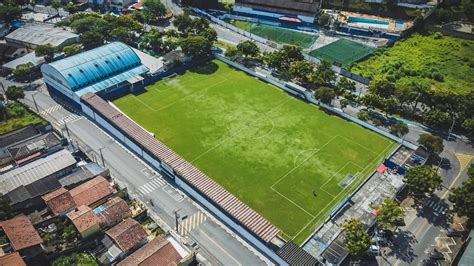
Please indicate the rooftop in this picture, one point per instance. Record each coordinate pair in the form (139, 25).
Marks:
(17, 135)
(28, 58)
(97, 69)
(91, 191)
(127, 234)
(59, 201)
(82, 174)
(33, 145)
(295, 255)
(83, 218)
(113, 211)
(12, 259)
(33, 190)
(41, 34)
(35, 170)
(159, 251)
(21, 233)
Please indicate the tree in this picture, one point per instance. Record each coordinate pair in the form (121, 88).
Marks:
(71, 8)
(325, 95)
(463, 199)
(433, 144)
(210, 34)
(468, 125)
(356, 238)
(152, 9)
(422, 180)
(14, 93)
(46, 50)
(232, 53)
(390, 105)
(371, 100)
(9, 11)
(91, 39)
(344, 84)
(437, 118)
(75, 259)
(323, 75)
(387, 212)
(89, 22)
(302, 70)
(72, 49)
(24, 70)
(183, 23)
(324, 19)
(382, 88)
(122, 34)
(283, 58)
(470, 171)
(196, 46)
(399, 129)
(248, 48)
(344, 103)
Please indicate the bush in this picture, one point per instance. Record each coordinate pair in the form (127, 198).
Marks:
(363, 115)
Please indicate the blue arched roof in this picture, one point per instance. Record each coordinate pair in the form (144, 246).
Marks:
(96, 65)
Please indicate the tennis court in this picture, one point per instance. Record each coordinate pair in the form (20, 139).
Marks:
(343, 51)
(278, 34)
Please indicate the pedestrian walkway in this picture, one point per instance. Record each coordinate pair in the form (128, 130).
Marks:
(190, 223)
(437, 206)
(151, 186)
(51, 109)
(67, 119)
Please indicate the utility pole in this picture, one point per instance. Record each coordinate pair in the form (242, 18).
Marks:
(451, 128)
(176, 217)
(102, 156)
(34, 101)
(67, 130)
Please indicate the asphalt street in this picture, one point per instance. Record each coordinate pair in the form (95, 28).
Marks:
(215, 242)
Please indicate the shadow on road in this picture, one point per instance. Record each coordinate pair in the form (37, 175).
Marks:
(428, 211)
(402, 246)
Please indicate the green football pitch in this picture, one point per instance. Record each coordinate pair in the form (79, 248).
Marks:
(278, 34)
(342, 51)
(285, 158)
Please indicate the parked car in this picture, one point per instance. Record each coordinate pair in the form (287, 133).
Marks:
(374, 250)
(453, 233)
(436, 255)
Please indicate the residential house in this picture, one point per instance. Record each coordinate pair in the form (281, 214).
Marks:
(22, 236)
(158, 251)
(59, 201)
(113, 211)
(91, 191)
(122, 239)
(12, 259)
(86, 223)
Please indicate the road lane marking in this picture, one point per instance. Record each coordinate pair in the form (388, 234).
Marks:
(464, 160)
(219, 247)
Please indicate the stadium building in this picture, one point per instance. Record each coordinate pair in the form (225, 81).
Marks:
(285, 10)
(109, 71)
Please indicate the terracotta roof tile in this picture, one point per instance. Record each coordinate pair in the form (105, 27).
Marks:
(91, 191)
(159, 251)
(59, 201)
(21, 232)
(127, 234)
(83, 218)
(193, 176)
(113, 211)
(12, 259)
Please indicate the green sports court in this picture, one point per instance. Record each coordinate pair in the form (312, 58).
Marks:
(343, 51)
(285, 158)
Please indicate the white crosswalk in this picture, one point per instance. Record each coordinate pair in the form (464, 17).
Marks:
(190, 223)
(67, 119)
(51, 109)
(151, 186)
(436, 206)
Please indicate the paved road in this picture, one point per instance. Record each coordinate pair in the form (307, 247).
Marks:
(215, 242)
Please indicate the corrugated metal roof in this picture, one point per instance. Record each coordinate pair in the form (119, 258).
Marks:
(35, 170)
(101, 67)
(41, 34)
(200, 181)
(295, 255)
